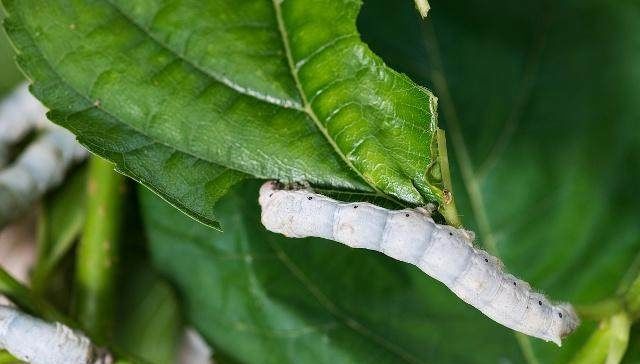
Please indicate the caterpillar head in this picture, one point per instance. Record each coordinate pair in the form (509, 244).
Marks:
(266, 191)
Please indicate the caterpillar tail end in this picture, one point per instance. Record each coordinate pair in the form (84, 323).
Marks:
(572, 322)
(567, 323)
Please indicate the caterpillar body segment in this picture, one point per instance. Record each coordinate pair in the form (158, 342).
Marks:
(38, 342)
(410, 235)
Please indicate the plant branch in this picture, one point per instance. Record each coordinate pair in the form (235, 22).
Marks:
(98, 250)
(24, 298)
(469, 177)
(448, 207)
(423, 7)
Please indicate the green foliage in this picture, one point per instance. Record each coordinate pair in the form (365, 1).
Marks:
(259, 297)
(149, 321)
(529, 123)
(189, 98)
(59, 225)
(276, 89)
(24, 298)
(607, 344)
(6, 358)
(542, 97)
(9, 74)
(98, 250)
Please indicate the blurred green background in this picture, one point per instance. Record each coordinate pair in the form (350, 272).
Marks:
(540, 102)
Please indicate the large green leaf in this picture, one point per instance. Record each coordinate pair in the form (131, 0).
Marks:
(259, 297)
(9, 73)
(543, 97)
(540, 99)
(272, 89)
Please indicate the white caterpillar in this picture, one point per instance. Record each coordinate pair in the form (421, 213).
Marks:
(19, 114)
(443, 252)
(40, 167)
(42, 164)
(38, 342)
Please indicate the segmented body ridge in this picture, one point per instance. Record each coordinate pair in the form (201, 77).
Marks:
(410, 235)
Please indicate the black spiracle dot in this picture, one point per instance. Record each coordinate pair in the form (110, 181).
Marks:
(486, 260)
(514, 283)
(407, 215)
(271, 194)
(309, 198)
(540, 303)
(560, 314)
(450, 234)
(355, 207)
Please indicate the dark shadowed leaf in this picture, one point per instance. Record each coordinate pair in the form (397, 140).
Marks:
(149, 324)
(545, 95)
(261, 298)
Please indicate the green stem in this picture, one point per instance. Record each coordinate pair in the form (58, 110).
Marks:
(469, 177)
(448, 207)
(6, 358)
(620, 327)
(463, 157)
(423, 7)
(607, 343)
(632, 298)
(98, 250)
(601, 310)
(527, 348)
(60, 223)
(28, 301)
(24, 298)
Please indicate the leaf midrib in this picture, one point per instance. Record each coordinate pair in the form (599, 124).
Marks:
(306, 106)
(93, 105)
(285, 103)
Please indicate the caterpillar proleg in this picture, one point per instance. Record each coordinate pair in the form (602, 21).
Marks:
(410, 235)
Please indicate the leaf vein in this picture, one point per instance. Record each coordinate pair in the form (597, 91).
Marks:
(291, 104)
(307, 106)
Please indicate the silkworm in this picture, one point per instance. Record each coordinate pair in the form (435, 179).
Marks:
(20, 113)
(40, 167)
(38, 342)
(43, 163)
(445, 253)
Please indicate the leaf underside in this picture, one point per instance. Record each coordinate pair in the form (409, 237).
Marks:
(189, 97)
